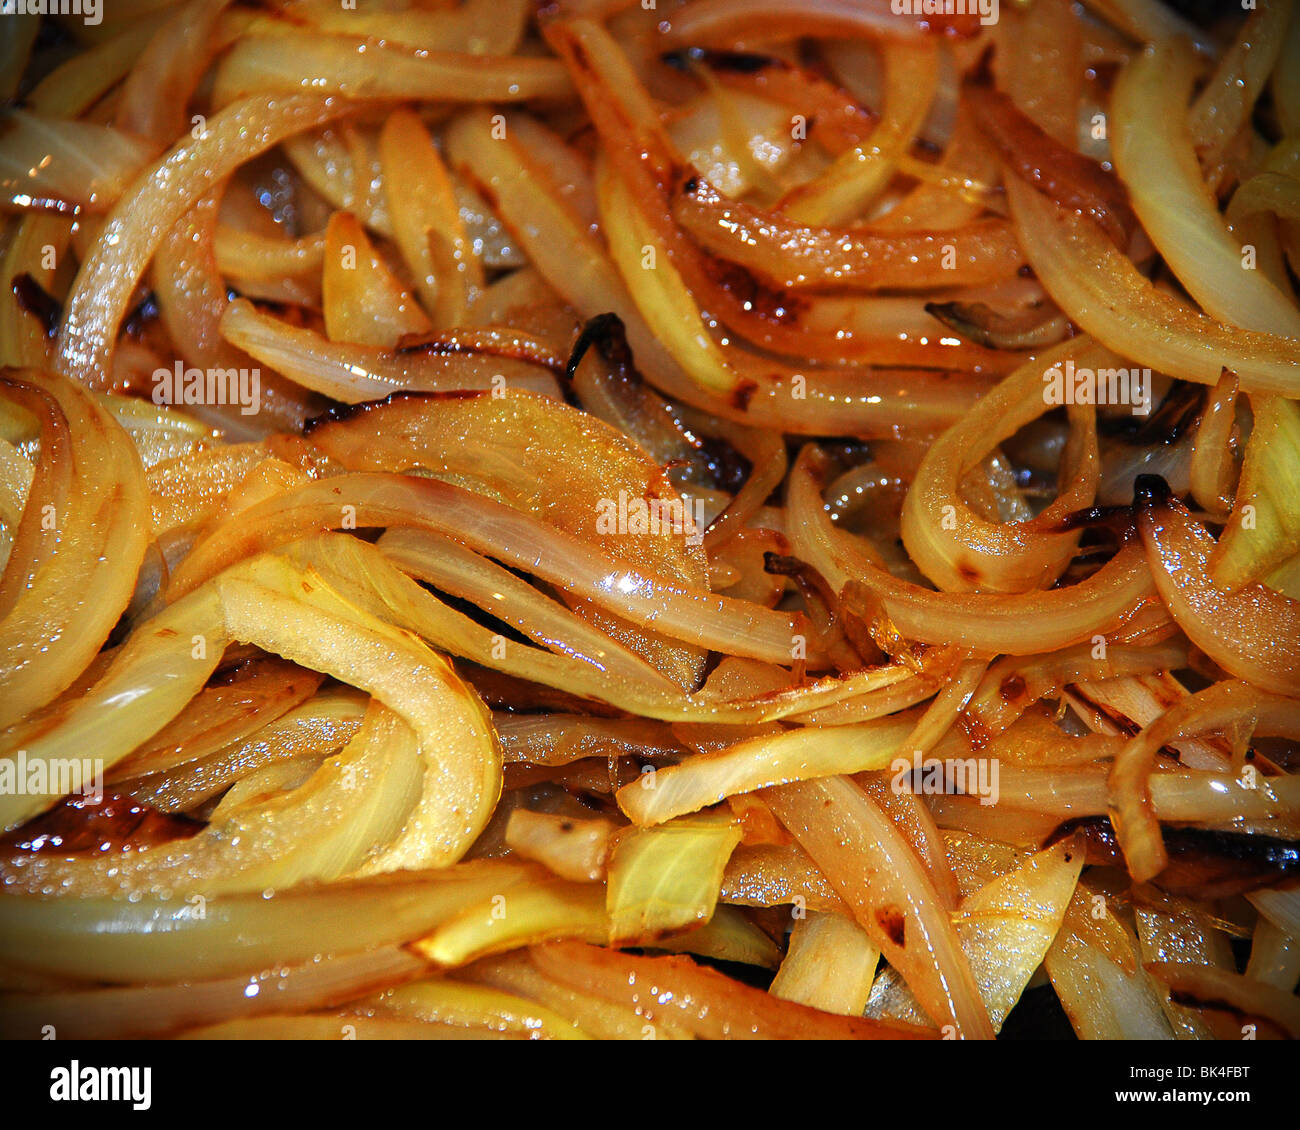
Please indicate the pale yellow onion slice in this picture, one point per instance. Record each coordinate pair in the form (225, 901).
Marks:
(672, 608)
(1219, 706)
(1153, 150)
(1006, 928)
(65, 166)
(76, 550)
(363, 302)
(426, 220)
(355, 373)
(1264, 528)
(1095, 970)
(142, 217)
(777, 759)
(546, 909)
(440, 1000)
(1101, 289)
(830, 965)
(657, 288)
(1253, 632)
(295, 612)
(153, 938)
(158, 90)
(1013, 624)
(876, 872)
(665, 879)
(158, 1010)
(354, 68)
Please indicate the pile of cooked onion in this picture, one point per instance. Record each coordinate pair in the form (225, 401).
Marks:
(551, 521)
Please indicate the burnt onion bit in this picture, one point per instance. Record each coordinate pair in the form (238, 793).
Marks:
(1151, 490)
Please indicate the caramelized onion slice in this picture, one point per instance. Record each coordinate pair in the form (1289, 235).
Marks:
(1253, 632)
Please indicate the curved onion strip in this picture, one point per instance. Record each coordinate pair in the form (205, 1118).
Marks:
(547, 909)
(1154, 154)
(677, 992)
(1075, 182)
(262, 258)
(444, 1001)
(72, 566)
(1098, 286)
(1264, 528)
(70, 167)
(313, 731)
(1219, 988)
(155, 938)
(157, 1010)
(355, 68)
(950, 542)
(856, 177)
(863, 258)
(141, 219)
(1012, 624)
(776, 759)
(155, 96)
(191, 297)
(267, 601)
(477, 27)
(1210, 799)
(892, 897)
(517, 539)
(426, 220)
(362, 301)
(517, 445)
(393, 596)
(1014, 684)
(347, 813)
(1211, 476)
(460, 572)
(1252, 632)
(77, 84)
(226, 712)
(468, 360)
(812, 402)
(658, 290)
(1225, 102)
(720, 21)
(1216, 707)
